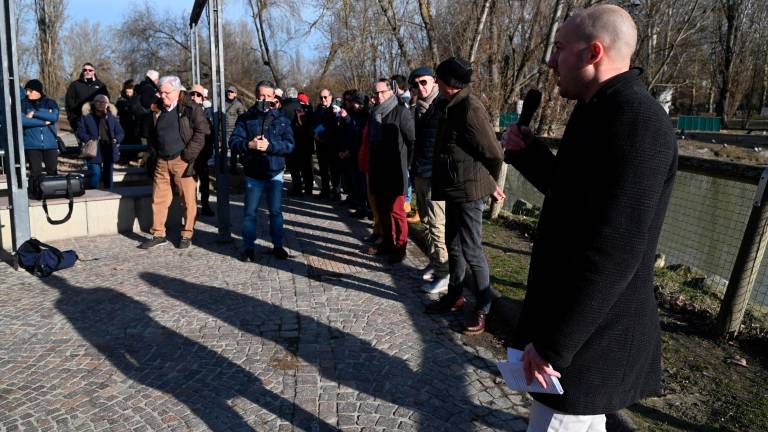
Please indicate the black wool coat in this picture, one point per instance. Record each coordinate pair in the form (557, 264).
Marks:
(589, 308)
(390, 157)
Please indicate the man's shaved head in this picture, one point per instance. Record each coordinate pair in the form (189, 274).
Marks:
(610, 25)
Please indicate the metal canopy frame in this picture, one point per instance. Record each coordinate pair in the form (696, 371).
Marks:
(11, 140)
(216, 44)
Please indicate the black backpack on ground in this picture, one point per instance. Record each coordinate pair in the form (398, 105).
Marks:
(42, 259)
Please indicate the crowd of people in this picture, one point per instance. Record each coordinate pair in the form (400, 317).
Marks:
(589, 315)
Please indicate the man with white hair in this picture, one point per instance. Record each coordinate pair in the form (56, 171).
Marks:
(178, 136)
(589, 315)
(144, 95)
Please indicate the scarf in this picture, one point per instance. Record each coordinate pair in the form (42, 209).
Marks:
(379, 112)
(422, 105)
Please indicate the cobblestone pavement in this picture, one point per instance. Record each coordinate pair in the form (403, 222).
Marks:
(194, 340)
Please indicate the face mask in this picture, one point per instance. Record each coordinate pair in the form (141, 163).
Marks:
(265, 105)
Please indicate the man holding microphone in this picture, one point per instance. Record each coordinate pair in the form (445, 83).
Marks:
(263, 137)
(589, 315)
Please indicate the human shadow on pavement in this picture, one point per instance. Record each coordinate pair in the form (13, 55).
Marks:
(153, 355)
(434, 388)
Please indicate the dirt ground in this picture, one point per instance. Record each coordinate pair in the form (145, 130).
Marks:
(708, 385)
(734, 147)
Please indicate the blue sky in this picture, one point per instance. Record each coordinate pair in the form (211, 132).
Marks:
(111, 12)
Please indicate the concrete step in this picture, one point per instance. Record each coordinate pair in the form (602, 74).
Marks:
(98, 212)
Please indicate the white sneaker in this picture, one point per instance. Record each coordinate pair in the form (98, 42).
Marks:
(429, 274)
(439, 285)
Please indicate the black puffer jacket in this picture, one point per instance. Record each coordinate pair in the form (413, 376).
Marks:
(78, 94)
(468, 156)
(427, 125)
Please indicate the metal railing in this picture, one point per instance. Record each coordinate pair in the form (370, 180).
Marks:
(712, 244)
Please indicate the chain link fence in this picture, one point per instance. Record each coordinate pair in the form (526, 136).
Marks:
(704, 230)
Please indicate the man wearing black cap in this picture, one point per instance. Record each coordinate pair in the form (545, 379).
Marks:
(232, 109)
(427, 112)
(82, 91)
(466, 165)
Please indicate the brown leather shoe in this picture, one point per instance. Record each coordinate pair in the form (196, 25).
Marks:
(443, 305)
(476, 326)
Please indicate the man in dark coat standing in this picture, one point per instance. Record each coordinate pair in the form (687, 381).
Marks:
(466, 163)
(144, 95)
(82, 91)
(589, 313)
(390, 136)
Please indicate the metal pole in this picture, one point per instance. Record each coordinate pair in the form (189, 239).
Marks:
(747, 265)
(219, 125)
(10, 123)
(192, 53)
(197, 55)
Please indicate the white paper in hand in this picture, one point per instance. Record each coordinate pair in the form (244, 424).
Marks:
(514, 375)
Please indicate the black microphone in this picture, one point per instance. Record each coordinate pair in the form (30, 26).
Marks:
(530, 105)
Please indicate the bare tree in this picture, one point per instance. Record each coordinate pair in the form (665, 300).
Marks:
(49, 15)
(258, 9)
(387, 9)
(425, 10)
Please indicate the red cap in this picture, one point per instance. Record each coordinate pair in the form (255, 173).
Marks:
(303, 98)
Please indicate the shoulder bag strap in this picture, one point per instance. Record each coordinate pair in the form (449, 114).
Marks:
(71, 206)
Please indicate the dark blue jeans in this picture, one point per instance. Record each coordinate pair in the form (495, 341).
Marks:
(99, 171)
(464, 240)
(254, 189)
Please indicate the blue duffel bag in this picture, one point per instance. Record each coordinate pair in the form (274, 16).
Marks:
(42, 259)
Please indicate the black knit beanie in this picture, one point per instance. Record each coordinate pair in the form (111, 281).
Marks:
(454, 72)
(35, 85)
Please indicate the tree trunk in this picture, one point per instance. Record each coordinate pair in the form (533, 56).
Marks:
(50, 18)
(478, 32)
(731, 10)
(258, 21)
(389, 14)
(425, 8)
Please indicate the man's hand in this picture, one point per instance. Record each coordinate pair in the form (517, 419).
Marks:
(30, 114)
(498, 194)
(516, 138)
(343, 112)
(259, 143)
(344, 154)
(536, 367)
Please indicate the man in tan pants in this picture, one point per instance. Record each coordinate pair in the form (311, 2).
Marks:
(177, 138)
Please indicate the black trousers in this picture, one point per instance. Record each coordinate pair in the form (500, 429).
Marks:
(36, 158)
(300, 166)
(464, 240)
(330, 174)
(203, 172)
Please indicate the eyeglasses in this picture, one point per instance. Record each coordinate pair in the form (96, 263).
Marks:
(89, 70)
(325, 97)
(195, 94)
(231, 91)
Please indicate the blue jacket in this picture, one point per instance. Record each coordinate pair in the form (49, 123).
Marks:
(88, 129)
(262, 164)
(38, 135)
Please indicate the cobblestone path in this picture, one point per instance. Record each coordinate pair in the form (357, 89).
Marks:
(195, 340)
